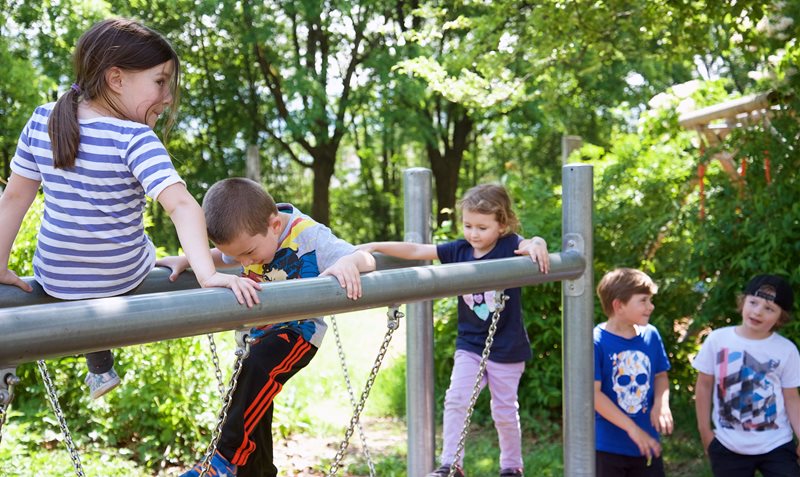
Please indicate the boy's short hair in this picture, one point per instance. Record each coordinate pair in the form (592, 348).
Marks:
(621, 284)
(235, 206)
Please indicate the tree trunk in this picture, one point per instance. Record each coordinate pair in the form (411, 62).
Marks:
(446, 167)
(323, 166)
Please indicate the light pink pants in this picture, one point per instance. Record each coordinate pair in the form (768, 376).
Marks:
(503, 381)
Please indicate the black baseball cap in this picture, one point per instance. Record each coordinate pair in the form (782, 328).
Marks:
(783, 295)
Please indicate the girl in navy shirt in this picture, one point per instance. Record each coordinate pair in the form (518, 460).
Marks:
(490, 231)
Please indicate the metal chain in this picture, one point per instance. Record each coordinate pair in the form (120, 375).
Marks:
(242, 351)
(6, 397)
(53, 398)
(393, 323)
(215, 359)
(500, 300)
(361, 434)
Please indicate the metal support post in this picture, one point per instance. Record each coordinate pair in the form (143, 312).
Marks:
(419, 333)
(578, 321)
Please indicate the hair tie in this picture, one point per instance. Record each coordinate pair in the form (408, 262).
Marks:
(76, 88)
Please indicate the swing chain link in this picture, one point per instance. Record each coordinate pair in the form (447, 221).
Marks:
(393, 315)
(500, 304)
(353, 403)
(243, 341)
(6, 396)
(215, 359)
(53, 398)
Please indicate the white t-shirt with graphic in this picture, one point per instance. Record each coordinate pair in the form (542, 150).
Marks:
(749, 413)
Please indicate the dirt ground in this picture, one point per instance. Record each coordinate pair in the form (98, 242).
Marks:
(307, 456)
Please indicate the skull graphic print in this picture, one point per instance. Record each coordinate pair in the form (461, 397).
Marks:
(631, 380)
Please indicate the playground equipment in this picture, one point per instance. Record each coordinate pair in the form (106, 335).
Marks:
(35, 332)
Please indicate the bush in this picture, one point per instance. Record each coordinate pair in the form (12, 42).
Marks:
(162, 412)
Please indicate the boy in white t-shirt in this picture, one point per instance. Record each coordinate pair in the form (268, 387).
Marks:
(752, 373)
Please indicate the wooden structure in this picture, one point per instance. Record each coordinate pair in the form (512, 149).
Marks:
(714, 123)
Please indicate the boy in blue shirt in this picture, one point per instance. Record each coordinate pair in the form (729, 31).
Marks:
(631, 388)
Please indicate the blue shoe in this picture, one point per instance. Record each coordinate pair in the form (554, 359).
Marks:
(100, 384)
(219, 467)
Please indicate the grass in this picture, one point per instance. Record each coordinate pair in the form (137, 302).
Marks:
(22, 454)
(683, 453)
(314, 410)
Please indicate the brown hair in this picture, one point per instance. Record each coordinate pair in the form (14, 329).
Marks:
(126, 44)
(491, 199)
(237, 205)
(785, 317)
(621, 284)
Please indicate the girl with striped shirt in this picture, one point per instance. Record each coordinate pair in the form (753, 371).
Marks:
(96, 157)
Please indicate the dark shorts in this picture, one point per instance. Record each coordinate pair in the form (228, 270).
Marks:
(779, 462)
(618, 465)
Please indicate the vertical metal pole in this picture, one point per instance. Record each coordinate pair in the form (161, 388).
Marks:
(578, 320)
(419, 334)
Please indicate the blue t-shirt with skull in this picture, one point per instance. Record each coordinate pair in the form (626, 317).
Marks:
(475, 310)
(626, 369)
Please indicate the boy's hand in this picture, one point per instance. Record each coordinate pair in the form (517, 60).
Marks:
(661, 419)
(648, 446)
(177, 264)
(246, 290)
(537, 249)
(7, 277)
(348, 275)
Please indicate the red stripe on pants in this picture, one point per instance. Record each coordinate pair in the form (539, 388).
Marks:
(263, 400)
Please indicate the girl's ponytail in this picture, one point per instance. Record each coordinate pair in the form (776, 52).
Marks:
(63, 129)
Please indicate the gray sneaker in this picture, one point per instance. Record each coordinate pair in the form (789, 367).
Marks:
(444, 471)
(100, 384)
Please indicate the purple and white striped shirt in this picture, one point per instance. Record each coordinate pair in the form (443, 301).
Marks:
(91, 241)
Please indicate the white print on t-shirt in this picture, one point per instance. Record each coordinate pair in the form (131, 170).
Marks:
(631, 375)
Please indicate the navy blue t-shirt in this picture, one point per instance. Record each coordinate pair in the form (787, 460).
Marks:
(511, 344)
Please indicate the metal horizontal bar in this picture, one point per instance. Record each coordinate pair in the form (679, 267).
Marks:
(156, 281)
(28, 333)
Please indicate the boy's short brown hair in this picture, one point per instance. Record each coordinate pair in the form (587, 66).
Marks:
(237, 205)
(621, 284)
